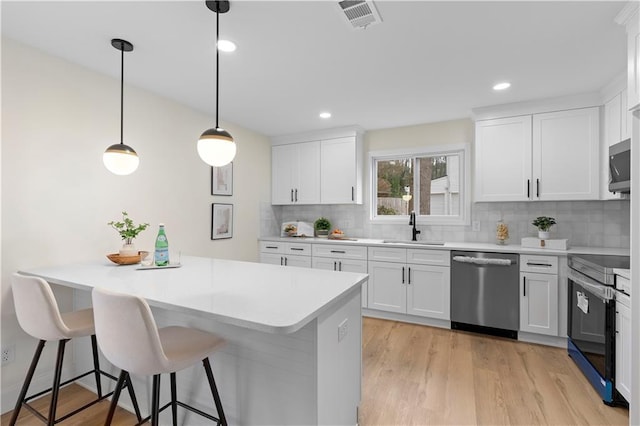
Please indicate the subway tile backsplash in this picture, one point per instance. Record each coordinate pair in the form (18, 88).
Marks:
(583, 223)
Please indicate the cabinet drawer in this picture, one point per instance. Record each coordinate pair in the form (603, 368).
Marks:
(271, 247)
(299, 249)
(539, 264)
(339, 251)
(386, 254)
(428, 257)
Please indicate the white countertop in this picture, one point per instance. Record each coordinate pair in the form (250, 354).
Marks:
(470, 246)
(626, 273)
(262, 297)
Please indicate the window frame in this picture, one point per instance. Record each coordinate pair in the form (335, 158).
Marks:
(460, 149)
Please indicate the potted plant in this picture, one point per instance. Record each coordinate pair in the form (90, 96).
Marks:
(322, 227)
(543, 223)
(128, 232)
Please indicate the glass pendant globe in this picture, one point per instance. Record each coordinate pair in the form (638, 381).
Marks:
(120, 159)
(216, 147)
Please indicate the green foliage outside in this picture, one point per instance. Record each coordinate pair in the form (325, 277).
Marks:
(382, 210)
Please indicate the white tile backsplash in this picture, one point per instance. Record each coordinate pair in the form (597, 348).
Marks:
(583, 223)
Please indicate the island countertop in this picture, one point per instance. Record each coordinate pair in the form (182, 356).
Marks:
(267, 298)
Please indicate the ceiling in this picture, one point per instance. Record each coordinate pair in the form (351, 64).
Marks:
(426, 62)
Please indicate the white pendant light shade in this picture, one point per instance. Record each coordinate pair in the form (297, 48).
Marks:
(120, 159)
(216, 147)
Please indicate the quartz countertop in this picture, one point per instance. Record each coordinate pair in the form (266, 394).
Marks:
(469, 246)
(626, 273)
(262, 297)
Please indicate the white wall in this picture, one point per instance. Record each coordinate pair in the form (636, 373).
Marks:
(57, 120)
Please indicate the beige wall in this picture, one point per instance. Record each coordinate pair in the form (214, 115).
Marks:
(442, 133)
(57, 120)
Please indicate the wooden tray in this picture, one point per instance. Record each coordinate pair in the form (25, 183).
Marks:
(125, 260)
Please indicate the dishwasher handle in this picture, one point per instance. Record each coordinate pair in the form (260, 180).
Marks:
(483, 261)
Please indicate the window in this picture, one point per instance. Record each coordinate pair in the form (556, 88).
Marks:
(432, 182)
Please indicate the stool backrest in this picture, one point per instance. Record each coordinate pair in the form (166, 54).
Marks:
(36, 308)
(127, 333)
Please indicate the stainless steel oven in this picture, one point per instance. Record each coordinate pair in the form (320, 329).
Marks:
(591, 320)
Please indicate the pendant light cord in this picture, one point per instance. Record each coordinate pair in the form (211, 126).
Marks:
(122, 94)
(217, 61)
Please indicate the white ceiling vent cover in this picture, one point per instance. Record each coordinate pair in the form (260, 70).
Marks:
(360, 14)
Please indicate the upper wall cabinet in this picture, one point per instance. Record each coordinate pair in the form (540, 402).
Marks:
(295, 173)
(629, 17)
(617, 127)
(548, 156)
(341, 171)
(318, 168)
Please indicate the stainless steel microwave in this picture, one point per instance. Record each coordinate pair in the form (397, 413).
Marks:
(620, 167)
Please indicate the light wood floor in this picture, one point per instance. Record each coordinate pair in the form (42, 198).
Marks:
(416, 375)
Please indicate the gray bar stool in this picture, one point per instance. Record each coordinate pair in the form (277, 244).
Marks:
(38, 315)
(130, 339)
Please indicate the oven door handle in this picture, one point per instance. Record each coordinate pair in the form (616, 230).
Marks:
(603, 292)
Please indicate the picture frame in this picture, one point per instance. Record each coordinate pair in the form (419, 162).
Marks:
(222, 180)
(221, 221)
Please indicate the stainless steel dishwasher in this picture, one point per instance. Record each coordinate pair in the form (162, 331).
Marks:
(484, 292)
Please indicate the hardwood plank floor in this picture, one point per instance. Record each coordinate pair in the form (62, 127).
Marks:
(417, 375)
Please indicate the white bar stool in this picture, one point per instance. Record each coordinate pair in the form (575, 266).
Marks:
(130, 339)
(38, 315)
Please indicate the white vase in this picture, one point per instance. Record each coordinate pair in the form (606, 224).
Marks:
(543, 235)
(128, 249)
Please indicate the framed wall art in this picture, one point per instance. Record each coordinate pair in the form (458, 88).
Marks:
(222, 180)
(221, 221)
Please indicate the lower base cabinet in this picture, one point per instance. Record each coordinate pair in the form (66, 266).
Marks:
(341, 258)
(414, 289)
(623, 345)
(539, 294)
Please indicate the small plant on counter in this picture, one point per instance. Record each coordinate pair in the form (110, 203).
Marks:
(322, 226)
(127, 229)
(544, 223)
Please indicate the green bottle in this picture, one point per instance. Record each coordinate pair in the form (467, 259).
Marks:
(162, 248)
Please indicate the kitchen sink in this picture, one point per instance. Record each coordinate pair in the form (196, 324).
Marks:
(420, 243)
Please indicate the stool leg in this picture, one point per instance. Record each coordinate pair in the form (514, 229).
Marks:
(56, 382)
(96, 364)
(134, 400)
(27, 382)
(214, 391)
(155, 401)
(174, 400)
(116, 395)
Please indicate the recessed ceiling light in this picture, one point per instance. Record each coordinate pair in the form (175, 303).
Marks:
(502, 86)
(226, 46)
(325, 115)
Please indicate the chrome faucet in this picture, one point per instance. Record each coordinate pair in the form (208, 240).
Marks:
(412, 222)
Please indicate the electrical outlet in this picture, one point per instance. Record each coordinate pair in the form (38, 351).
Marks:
(343, 328)
(8, 354)
(475, 226)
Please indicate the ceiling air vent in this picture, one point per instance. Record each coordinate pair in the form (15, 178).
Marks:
(360, 14)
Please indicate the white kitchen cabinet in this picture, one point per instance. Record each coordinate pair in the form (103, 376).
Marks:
(539, 294)
(548, 156)
(566, 155)
(336, 257)
(503, 159)
(623, 345)
(295, 173)
(629, 17)
(409, 288)
(341, 171)
(285, 254)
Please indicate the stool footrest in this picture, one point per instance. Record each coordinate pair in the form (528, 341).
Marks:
(188, 407)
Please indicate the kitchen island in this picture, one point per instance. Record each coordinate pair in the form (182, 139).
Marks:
(294, 352)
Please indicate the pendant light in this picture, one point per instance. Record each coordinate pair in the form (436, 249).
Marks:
(121, 159)
(216, 146)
